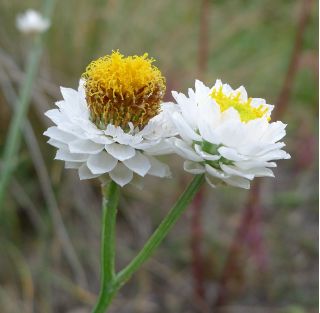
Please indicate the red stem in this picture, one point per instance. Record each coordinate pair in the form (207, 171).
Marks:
(196, 213)
(203, 48)
(252, 214)
(196, 251)
(236, 246)
(284, 96)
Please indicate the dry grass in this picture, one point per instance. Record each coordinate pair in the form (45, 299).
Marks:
(250, 44)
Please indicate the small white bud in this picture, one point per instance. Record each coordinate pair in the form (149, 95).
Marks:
(32, 22)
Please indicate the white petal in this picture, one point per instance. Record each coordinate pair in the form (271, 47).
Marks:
(59, 135)
(215, 173)
(58, 144)
(121, 137)
(205, 155)
(243, 93)
(139, 164)
(71, 157)
(187, 106)
(193, 167)
(274, 132)
(261, 172)
(271, 147)
(74, 105)
(111, 130)
(191, 94)
(231, 170)
(201, 91)
(246, 165)
(231, 154)
(85, 146)
(74, 129)
(256, 102)
(84, 173)
(120, 152)
(185, 131)
(208, 109)
(146, 144)
(230, 114)
(255, 129)
(207, 131)
(81, 88)
(57, 117)
(121, 175)
(226, 89)
(82, 96)
(237, 181)
(127, 139)
(158, 168)
(102, 140)
(101, 163)
(260, 149)
(60, 104)
(69, 95)
(185, 151)
(218, 84)
(162, 148)
(274, 155)
(161, 126)
(232, 133)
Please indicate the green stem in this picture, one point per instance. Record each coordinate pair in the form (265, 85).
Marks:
(110, 203)
(13, 139)
(160, 233)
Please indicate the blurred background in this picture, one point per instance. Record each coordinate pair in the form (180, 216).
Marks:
(234, 250)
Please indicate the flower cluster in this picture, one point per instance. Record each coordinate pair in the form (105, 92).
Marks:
(116, 123)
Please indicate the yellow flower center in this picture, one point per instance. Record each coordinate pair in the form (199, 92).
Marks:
(122, 89)
(246, 111)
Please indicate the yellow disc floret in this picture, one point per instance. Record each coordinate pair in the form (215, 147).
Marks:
(122, 89)
(246, 111)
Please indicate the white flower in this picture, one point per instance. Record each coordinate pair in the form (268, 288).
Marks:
(94, 152)
(227, 135)
(32, 22)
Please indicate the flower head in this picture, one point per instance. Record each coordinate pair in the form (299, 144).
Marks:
(32, 22)
(122, 89)
(227, 135)
(114, 124)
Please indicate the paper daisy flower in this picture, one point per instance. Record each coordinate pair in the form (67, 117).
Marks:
(114, 123)
(227, 135)
(32, 22)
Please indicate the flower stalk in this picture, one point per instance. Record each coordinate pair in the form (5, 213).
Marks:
(112, 283)
(14, 136)
(109, 214)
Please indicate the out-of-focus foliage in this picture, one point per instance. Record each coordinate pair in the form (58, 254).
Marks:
(250, 44)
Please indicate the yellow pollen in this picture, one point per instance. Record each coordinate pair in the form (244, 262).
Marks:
(246, 111)
(122, 89)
